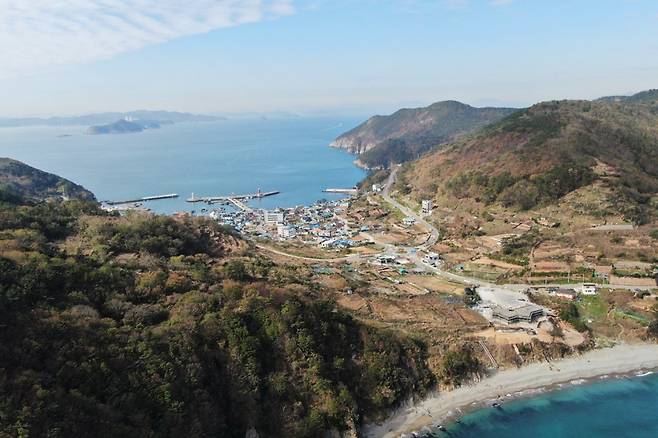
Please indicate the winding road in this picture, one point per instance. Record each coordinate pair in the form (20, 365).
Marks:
(412, 252)
(434, 233)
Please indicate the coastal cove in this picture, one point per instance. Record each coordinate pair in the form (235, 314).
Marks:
(610, 406)
(531, 385)
(205, 158)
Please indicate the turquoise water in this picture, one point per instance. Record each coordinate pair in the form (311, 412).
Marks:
(626, 407)
(208, 159)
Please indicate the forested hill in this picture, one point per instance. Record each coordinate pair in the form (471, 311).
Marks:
(538, 155)
(406, 134)
(20, 180)
(649, 97)
(151, 326)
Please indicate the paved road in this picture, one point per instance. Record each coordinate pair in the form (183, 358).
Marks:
(614, 227)
(412, 252)
(349, 258)
(434, 233)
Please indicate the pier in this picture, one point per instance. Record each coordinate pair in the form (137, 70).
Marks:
(144, 199)
(236, 200)
(342, 191)
(240, 205)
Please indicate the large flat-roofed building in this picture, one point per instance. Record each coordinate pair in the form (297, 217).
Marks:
(526, 312)
(273, 217)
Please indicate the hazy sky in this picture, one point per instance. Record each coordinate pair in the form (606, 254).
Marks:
(334, 56)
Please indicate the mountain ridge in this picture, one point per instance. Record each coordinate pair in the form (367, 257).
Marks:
(647, 96)
(540, 154)
(409, 132)
(19, 180)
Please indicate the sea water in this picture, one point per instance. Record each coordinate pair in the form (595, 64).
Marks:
(207, 159)
(623, 407)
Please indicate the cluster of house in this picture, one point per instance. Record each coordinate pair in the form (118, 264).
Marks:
(571, 293)
(323, 224)
(239, 220)
(360, 215)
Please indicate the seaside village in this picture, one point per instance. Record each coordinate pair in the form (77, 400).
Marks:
(390, 270)
(323, 224)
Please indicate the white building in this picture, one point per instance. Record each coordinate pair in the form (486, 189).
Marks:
(327, 243)
(273, 217)
(386, 259)
(376, 188)
(426, 206)
(588, 289)
(408, 221)
(284, 231)
(431, 258)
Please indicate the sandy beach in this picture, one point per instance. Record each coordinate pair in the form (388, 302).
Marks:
(440, 407)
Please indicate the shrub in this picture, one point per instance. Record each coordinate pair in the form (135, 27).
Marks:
(149, 287)
(459, 364)
(145, 314)
(652, 330)
(471, 297)
(236, 270)
(571, 314)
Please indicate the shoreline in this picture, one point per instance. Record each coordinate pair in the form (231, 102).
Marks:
(530, 380)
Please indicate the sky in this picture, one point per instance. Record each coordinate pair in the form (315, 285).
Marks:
(66, 57)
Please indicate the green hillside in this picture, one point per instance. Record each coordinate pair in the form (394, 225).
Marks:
(20, 180)
(150, 326)
(538, 155)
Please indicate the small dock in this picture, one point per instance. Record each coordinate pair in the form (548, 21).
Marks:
(144, 199)
(342, 191)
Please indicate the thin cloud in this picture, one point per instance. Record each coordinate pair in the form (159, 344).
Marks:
(37, 34)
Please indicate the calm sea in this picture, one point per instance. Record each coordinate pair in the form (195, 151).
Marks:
(208, 159)
(614, 408)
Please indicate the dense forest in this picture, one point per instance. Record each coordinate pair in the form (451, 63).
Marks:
(144, 326)
(19, 179)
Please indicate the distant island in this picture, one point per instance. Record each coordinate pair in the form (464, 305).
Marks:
(125, 126)
(107, 118)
